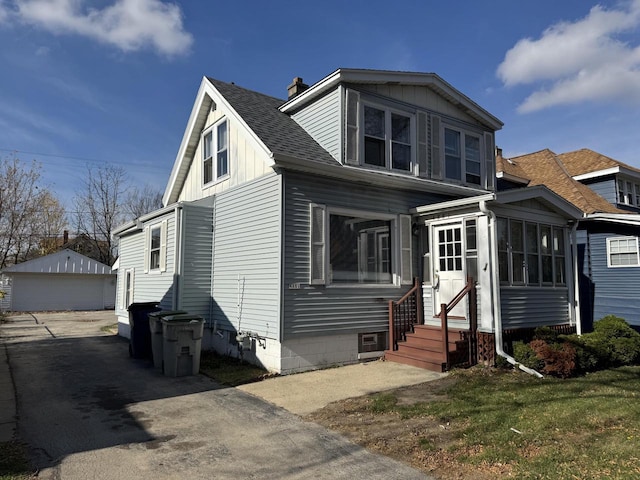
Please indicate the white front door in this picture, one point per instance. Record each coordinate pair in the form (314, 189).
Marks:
(449, 267)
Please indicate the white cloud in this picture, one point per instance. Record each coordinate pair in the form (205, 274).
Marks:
(130, 25)
(581, 61)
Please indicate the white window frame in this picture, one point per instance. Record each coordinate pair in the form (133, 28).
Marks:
(214, 150)
(162, 251)
(463, 157)
(128, 284)
(388, 111)
(616, 240)
(400, 246)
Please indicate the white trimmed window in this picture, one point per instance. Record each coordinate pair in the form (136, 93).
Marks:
(622, 252)
(155, 251)
(462, 156)
(354, 248)
(127, 288)
(215, 153)
(387, 139)
(628, 193)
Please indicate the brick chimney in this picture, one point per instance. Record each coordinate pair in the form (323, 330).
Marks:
(296, 87)
(65, 236)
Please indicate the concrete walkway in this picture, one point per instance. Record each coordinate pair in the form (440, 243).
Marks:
(87, 410)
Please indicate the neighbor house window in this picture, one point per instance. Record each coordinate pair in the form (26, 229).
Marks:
(622, 252)
(530, 253)
(359, 248)
(387, 139)
(462, 157)
(215, 153)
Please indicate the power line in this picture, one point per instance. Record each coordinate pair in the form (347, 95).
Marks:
(69, 157)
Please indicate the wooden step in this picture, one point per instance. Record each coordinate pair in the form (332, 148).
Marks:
(416, 361)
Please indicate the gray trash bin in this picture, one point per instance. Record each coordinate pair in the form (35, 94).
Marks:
(182, 341)
(155, 325)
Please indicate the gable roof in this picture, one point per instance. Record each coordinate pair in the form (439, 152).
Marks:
(583, 162)
(546, 168)
(64, 261)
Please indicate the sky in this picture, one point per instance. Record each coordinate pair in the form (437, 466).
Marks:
(87, 83)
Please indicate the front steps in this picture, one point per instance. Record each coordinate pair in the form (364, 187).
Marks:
(423, 348)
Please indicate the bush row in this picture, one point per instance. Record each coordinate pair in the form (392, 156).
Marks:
(611, 344)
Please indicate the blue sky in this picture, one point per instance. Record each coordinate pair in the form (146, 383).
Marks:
(90, 82)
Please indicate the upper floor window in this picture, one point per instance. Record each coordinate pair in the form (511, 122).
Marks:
(628, 193)
(462, 157)
(622, 252)
(215, 157)
(155, 247)
(387, 139)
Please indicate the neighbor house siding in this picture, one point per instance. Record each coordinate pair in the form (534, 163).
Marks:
(524, 307)
(606, 188)
(195, 282)
(246, 270)
(328, 310)
(321, 120)
(616, 289)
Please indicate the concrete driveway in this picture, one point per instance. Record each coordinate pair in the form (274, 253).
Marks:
(88, 411)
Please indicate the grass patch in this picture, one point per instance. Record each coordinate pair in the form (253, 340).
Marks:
(586, 427)
(113, 329)
(13, 462)
(230, 371)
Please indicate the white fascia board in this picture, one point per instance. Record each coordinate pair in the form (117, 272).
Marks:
(626, 219)
(206, 90)
(541, 192)
(137, 224)
(598, 173)
(452, 204)
(512, 178)
(124, 228)
(384, 77)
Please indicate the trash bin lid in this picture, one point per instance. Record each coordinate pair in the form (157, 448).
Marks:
(143, 306)
(166, 313)
(186, 318)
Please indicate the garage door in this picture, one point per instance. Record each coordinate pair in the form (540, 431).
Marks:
(37, 291)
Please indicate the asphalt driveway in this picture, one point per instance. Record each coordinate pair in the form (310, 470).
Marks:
(88, 411)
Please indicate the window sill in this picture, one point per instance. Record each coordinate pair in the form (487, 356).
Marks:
(216, 181)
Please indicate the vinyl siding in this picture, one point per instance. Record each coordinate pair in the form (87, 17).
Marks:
(152, 286)
(195, 286)
(246, 271)
(615, 289)
(606, 188)
(324, 310)
(321, 120)
(524, 307)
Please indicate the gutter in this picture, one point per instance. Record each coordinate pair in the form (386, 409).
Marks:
(495, 288)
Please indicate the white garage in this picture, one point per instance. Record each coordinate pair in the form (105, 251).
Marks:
(64, 280)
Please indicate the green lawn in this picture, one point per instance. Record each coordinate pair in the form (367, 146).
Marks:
(583, 428)
(230, 371)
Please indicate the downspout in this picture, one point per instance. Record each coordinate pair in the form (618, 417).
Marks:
(576, 279)
(495, 288)
(178, 260)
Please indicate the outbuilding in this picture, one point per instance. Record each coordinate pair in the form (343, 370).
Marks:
(64, 280)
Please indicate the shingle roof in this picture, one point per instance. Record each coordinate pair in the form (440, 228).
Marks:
(508, 167)
(279, 132)
(584, 161)
(546, 168)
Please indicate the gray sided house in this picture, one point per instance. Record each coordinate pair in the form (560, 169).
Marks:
(608, 194)
(290, 225)
(63, 280)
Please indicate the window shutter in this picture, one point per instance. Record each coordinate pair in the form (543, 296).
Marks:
(351, 133)
(405, 247)
(147, 242)
(436, 159)
(423, 165)
(317, 260)
(489, 161)
(163, 246)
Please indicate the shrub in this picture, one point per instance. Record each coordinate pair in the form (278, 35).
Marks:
(615, 340)
(547, 334)
(526, 356)
(591, 355)
(559, 359)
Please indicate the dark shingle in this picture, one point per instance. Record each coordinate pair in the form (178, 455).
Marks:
(279, 132)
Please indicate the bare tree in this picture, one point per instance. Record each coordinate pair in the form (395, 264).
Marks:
(28, 214)
(141, 201)
(99, 207)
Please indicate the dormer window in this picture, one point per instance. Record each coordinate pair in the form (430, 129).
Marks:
(215, 147)
(628, 193)
(387, 139)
